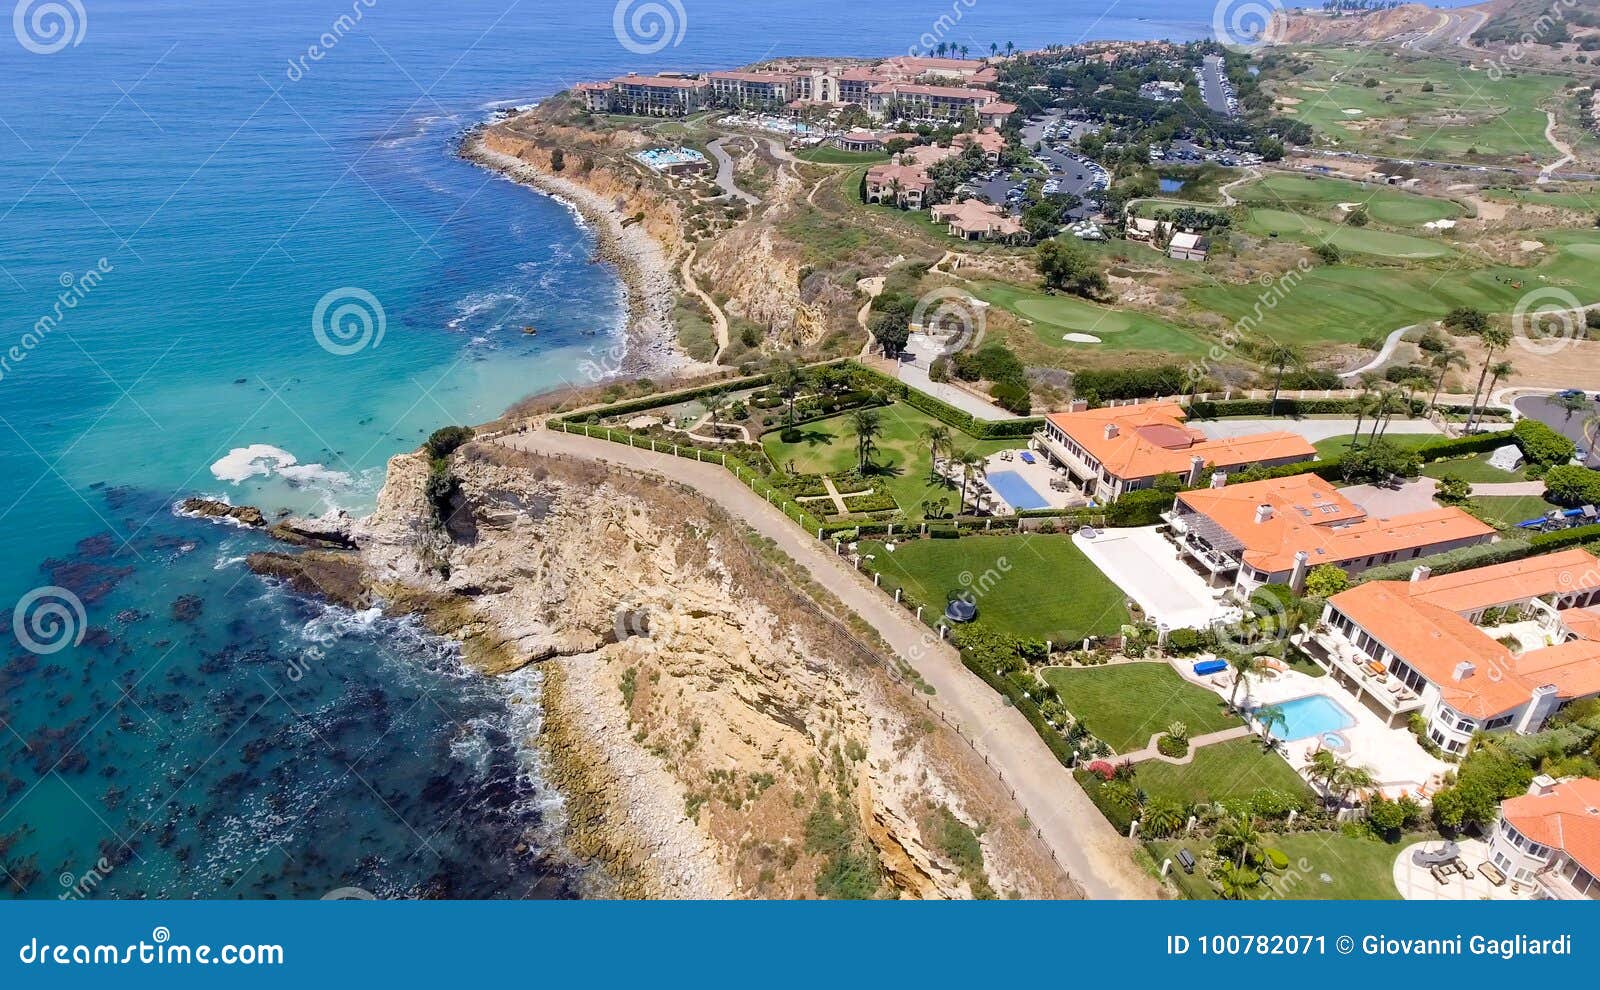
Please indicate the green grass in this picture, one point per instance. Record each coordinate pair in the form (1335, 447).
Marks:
(1234, 769)
(1465, 113)
(1505, 511)
(1321, 196)
(829, 155)
(903, 464)
(1054, 316)
(1035, 586)
(696, 335)
(1350, 302)
(1359, 868)
(1475, 470)
(1350, 240)
(1339, 446)
(1125, 704)
(1567, 196)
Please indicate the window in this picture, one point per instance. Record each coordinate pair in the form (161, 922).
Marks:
(1499, 722)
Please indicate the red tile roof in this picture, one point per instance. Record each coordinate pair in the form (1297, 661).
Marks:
(1151, 440)
(1566, 818)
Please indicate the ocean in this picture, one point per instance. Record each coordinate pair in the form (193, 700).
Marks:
(238, 258)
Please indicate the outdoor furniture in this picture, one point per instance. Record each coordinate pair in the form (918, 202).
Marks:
(1441, 876)
(1493, 873)
(1463, 869)
(1446, 854)
(1186, 860)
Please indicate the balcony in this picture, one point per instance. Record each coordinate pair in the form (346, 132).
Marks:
(1077, 466)
(1339, 656)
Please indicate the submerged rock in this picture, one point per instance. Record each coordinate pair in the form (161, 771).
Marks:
(208, 508)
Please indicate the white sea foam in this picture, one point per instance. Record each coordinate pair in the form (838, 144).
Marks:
(244, 463)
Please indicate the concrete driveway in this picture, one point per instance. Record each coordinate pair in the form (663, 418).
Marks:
(1386, 503)
(1146, 567)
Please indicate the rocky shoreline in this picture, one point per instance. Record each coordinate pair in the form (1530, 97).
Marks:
(651, 343)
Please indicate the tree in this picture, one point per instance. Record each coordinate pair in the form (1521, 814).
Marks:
(1238, 840)
(1494, 339)
(937, 437)
(1068, 268)
(1465, 319)
(1326, 581)
(1359, 217)
(891, 330)
(1281, 358)
(1572, 485)
(1329, 253)
(1322, 770)
(1163, 816)
(1571, 402)
(1353, 779)
(788, 379)
(1442, 360)
(972, 466)
(1380, 459)
(1237, 883)
(1245, 666)
(867, 425)
(1271, 717)
(558, 160)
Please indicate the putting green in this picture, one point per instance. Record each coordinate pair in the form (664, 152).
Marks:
(1053, 317)
(1360, 240)
(1308, 194)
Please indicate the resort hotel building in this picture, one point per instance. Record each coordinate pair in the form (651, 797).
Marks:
(1276, 531)
(1550, 838)
(646, 96)
(1109, 452)
(1498, 648)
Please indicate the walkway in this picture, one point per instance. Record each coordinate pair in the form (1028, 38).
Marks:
(1314, 430)
(1508, 488)
(1086, 845)
(725, 173)
(917, 377)
(1391, 343)
(1197, 743)
(719, 320)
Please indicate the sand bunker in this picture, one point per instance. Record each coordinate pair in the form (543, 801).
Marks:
(1081, 338)
(1531, 246)
(1352, 112)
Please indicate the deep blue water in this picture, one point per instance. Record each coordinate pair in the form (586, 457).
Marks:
(181, 185)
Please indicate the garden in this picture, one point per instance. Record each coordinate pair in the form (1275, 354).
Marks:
(1125, 704)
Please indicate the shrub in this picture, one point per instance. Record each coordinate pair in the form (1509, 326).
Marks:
(1129, 383)
(447, 440)
(1013, 398)
(1183, 641)
(1326, 581)
(1542, 445)
(1140, 508)
(1453, 490)
(1170, 746)
(1570, 485)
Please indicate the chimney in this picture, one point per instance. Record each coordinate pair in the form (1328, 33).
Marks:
(1263, 513)
(1112, 431)
(1542, 785)
(1197, 467)
(1421, 572)
(1464, 670)
(1079, 405)
(1302, 565)
(1219, 479)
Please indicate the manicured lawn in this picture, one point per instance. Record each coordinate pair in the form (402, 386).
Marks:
(1054, 316)
(1339, 446)
(1358, 868)
(1567, 196)
(1233, 769)
(1037, 586)
(1351, 240)
(829, 155)
(1322, 195)
(1472, 469)
(1505, 511)
(1349, 302)
(903, 462)
(1125, 704)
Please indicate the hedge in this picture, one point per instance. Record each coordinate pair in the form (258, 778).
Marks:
(1563, 539)
(1120, 818)
(1217, 409)
(1438, 450)
(1051, 736)
(1464, 559)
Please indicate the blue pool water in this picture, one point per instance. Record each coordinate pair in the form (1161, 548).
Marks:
(1014, 490)
(1313, 715)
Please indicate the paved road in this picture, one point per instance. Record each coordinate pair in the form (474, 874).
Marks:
(1092, 852)
(725, 173)
(1214, 85)
(917, 377)
(1390, 344)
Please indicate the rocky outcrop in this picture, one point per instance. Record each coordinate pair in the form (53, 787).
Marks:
(206, 508)
(715, 733)
(327, 531)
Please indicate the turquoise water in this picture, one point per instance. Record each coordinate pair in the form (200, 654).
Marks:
(1017, 492)
(1312, 715)
(180, 192)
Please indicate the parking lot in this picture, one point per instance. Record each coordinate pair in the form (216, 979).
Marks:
(1067, 171)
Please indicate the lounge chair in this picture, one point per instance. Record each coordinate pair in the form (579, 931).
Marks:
(1493, 873)
(1441, 876)
(1463, 869)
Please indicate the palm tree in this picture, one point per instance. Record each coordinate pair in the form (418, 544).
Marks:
(1245, 666)
(1163, 816)
(1388, 403)
(1011, 46)
(1238, 840)
(965, 51)
(994, 48)
(1271, 717)
(1280, 358)
(867, 426)
(788, 379)
(1353, 779)
(1123, 795)
(937, 437)
(1237, 883)
(1443, 361)
(1500, 371)
(1571, 403)
(1362, 406)
(1323, 769)
(972, 465)
(1494, 339)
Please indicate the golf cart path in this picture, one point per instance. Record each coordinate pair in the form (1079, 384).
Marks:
(1088, 848)
(725, 172)
(719, 320)
(1391, 344)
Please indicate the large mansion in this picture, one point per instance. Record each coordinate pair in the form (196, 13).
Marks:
(1275, 531)
(1112, 451)
(1497, 648)
(1550, 837)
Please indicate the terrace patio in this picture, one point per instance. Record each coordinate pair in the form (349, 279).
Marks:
(1416, 882)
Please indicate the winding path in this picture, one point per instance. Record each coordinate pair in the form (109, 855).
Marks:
(725, 173)
(1391, 343)
(719, 320)
(1085, 844)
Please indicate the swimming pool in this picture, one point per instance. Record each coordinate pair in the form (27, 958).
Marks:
(1313, 715)
(1017, 492)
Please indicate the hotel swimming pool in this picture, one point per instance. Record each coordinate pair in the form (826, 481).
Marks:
(1020, 495)
(1313, 715)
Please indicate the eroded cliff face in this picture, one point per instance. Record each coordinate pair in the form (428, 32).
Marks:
(715, 733)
